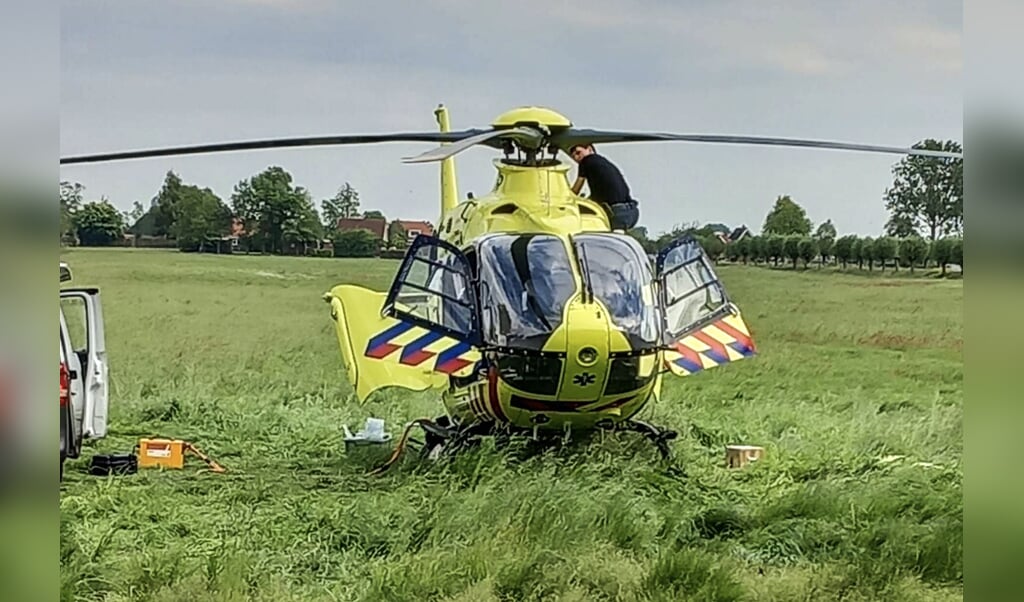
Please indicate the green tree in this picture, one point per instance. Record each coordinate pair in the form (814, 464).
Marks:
(825, 236)
(713, 246)
(343, 205)
(732, 252)
(166, 202)
(70, 203)
(668, 237)
(199, 217)
(913, 250)
(373, 214)
(397, 236)
(791, 247)
(844, 249)
(901, 226)
(867, 252)
(956, 251)
(640, 235)
(885, 249)
(808, 249)
(787, 217)
(356, 243)
(927, 193)
(269, 204)
(825, 231)
(303, 227)
(855, 252)
(98, 223)
(744, 248)
(132, 216)
(941, 252)
(775, 248)
(757, 248)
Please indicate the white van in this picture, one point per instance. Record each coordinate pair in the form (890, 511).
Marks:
(84, 384)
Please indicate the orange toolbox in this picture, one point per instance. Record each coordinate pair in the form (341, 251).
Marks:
(170, 453)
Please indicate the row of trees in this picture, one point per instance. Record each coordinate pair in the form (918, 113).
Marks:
(268, 212)
(909, 252)
(926, 199)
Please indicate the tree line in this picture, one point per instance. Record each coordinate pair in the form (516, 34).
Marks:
(885, 251)
(268, 213)
(925, 225)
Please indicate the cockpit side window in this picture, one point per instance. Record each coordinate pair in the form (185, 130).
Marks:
(619, 272)
(525, 283)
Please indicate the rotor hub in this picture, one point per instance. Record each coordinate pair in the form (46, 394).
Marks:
(542, 117)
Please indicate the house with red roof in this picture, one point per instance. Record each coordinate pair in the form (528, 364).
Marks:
(377, 225)
(415, 228)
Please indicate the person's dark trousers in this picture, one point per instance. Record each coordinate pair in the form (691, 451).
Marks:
(624, 216)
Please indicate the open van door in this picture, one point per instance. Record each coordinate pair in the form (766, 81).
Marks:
(83, 315)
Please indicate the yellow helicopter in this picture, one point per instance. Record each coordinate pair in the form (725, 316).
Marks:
(525, 310)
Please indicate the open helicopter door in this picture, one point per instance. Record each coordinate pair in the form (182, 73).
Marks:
(703, 328)
(417, 335)
(434, 290)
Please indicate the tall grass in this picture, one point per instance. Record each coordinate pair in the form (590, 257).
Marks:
(856, 396)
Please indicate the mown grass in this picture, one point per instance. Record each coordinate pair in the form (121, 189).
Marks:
(856, 396)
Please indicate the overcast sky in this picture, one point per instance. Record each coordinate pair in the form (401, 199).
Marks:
(142, 74)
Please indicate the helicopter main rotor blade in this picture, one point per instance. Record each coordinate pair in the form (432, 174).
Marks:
(275, 143)
(529, 136)
(570, 138)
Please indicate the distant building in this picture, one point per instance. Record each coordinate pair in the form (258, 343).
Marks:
(415, 228)
(738, 234)
(377, 225)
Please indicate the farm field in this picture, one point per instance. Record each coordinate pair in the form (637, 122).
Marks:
(856, 396)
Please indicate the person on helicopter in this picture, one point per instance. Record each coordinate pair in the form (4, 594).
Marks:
(607, 186)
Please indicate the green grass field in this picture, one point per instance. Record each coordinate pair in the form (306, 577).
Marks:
(238, 355)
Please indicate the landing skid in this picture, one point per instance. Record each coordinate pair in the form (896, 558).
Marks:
(658, 436)
(442, 438)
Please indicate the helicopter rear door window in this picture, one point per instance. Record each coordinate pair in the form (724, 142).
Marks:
(433, 290)
(619, 273)
(525, 283)
(692, 294)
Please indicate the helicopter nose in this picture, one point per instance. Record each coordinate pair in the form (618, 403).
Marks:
(586, 362)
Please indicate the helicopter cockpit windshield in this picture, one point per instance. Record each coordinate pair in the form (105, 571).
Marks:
(525, 282)
(618, 272)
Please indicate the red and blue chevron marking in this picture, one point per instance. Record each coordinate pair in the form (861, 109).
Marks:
(414, 353)
(449, 360)
(689, 361)
(743, 344)
(717, 351)
(380, 346)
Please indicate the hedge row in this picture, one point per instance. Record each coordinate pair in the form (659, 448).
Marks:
(910, 252)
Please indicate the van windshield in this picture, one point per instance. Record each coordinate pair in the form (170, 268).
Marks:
(525, 283)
